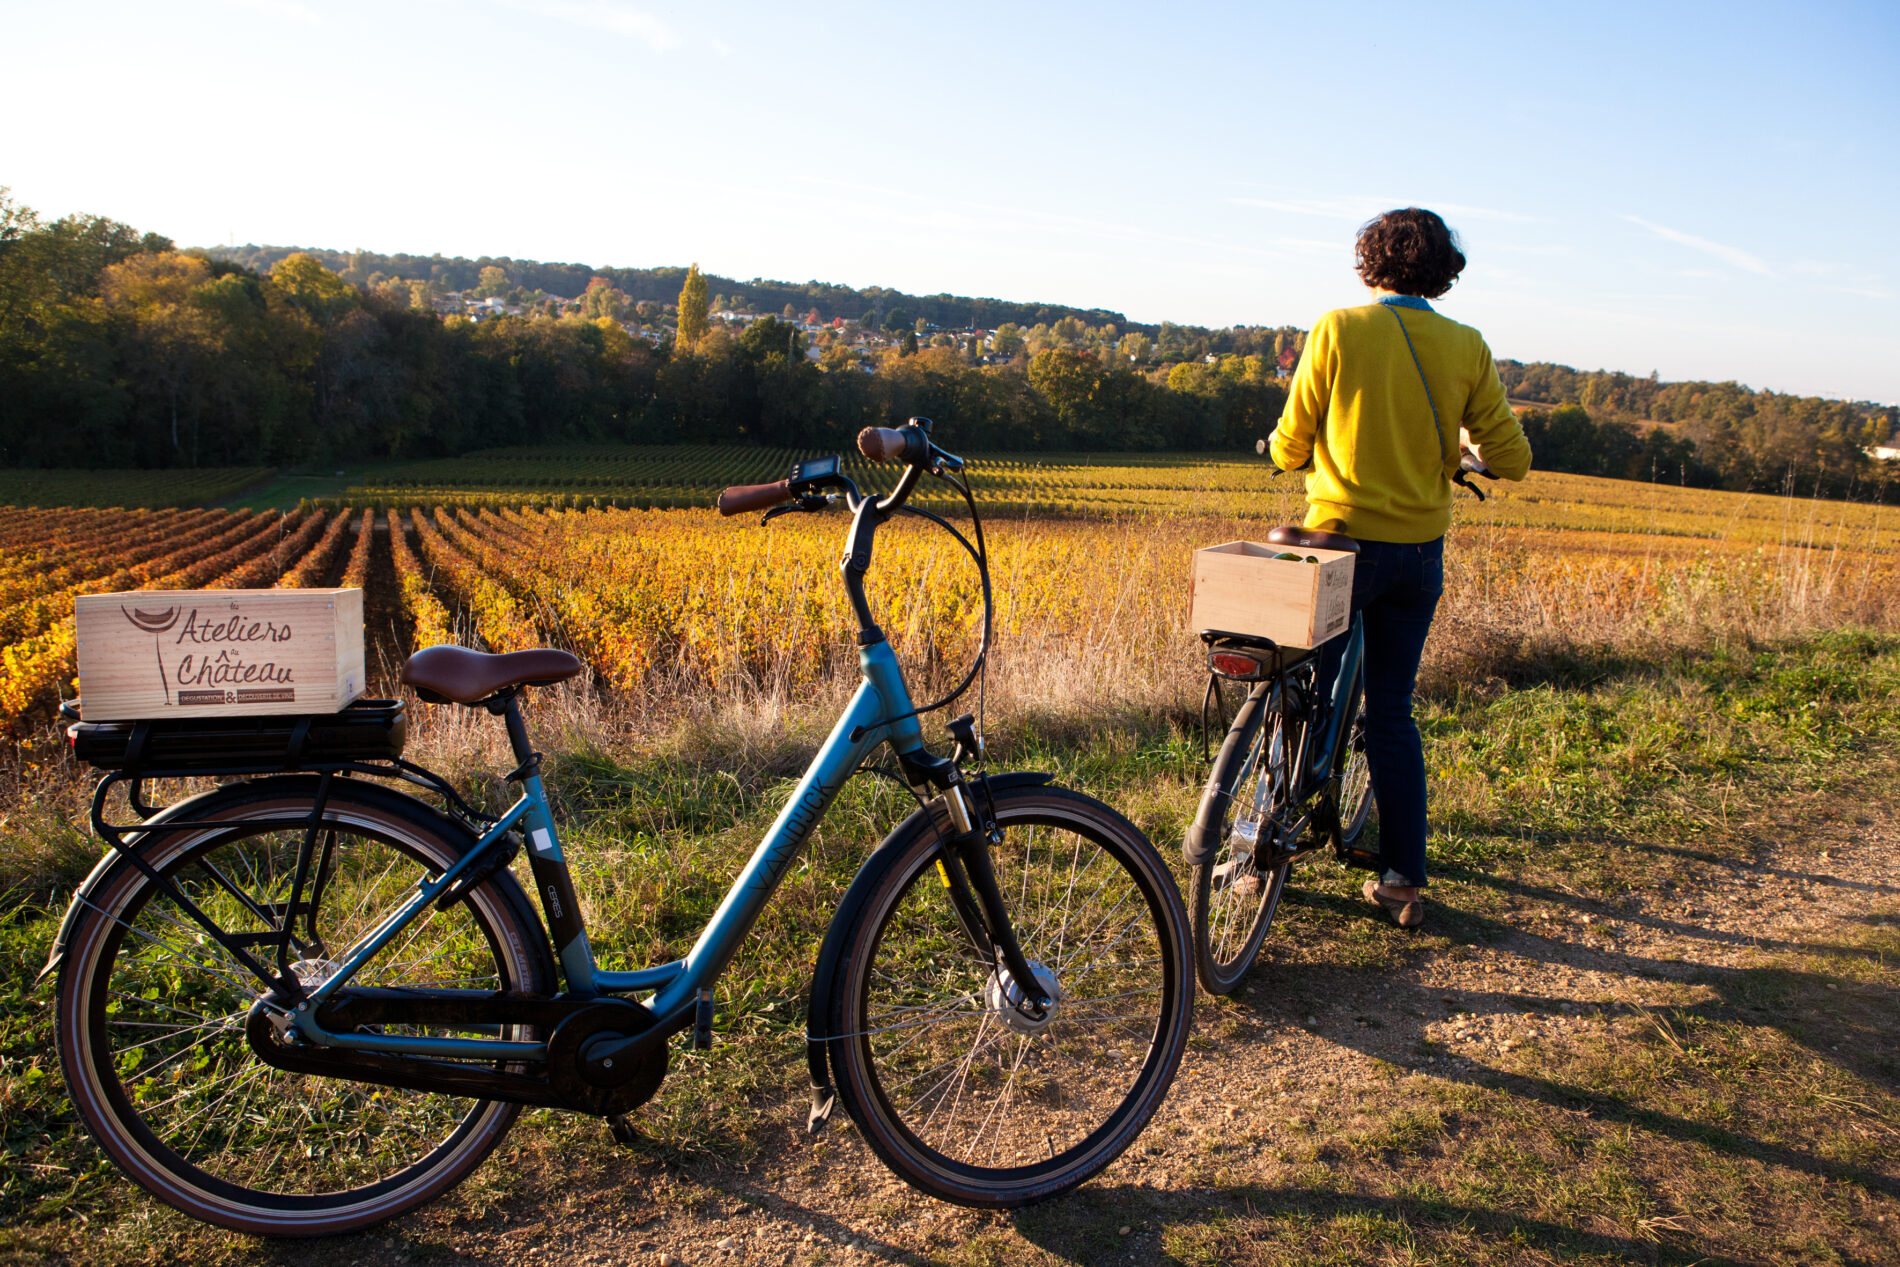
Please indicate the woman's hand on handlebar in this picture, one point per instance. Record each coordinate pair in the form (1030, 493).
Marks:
(1471, 455)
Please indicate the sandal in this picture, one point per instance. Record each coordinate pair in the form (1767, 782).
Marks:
(1406, 914)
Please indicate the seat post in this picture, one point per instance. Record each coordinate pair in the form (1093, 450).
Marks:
(517, 729)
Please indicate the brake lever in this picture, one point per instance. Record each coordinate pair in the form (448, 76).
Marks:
(809, 503)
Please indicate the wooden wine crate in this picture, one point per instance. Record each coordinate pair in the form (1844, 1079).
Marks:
(1240, 587)
(218, 653)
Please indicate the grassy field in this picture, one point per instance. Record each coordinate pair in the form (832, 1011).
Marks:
(131, 489)
(1653, 1016)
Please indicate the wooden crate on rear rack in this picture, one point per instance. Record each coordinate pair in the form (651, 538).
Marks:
(219, 653)
(1241, 587)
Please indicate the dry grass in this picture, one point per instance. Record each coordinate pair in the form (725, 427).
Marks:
(1599, 707)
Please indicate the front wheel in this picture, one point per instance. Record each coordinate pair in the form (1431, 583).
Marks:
(1353, 801)
(962, 1094)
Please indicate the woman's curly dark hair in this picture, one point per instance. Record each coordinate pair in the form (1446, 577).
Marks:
(1409, 252)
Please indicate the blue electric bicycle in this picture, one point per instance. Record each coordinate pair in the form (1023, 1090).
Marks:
(307, 1000)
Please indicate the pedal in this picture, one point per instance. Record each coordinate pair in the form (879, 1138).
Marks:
(623, 1132)
(703, 1020)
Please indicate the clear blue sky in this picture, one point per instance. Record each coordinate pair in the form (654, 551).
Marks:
(1707, 190)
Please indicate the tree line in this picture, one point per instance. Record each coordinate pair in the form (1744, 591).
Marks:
(1712, 435)
(118, 349)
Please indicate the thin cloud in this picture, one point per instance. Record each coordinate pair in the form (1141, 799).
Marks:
(1328, 208)
(1731, 254)
(1362, 208)
(604, 15)
(289, 10)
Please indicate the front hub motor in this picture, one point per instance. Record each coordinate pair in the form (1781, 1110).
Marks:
(1005, 998)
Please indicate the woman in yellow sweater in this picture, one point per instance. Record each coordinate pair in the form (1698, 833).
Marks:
(1386, 399)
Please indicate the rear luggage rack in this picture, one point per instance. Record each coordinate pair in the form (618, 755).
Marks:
(366, 731)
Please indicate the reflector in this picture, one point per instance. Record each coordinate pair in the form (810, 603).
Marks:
(1234, 664)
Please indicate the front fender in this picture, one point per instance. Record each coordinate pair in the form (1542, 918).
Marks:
(817, 1013)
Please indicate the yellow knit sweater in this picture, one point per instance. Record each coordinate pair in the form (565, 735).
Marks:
(1357, 408)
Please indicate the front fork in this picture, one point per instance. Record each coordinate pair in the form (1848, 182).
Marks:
(977, 899)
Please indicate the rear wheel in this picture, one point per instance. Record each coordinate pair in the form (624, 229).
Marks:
(961, 1093)
(1232, 896)
(151, 1015)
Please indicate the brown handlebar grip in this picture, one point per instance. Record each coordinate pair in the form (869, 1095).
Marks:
(743, 497)
(882, 444)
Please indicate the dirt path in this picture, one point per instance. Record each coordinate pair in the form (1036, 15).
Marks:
(1518, 983)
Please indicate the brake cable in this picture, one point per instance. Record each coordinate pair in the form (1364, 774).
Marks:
(979, 553)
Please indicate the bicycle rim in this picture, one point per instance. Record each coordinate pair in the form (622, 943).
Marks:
(152, 1031)
(1233, 899)
(960, 1093)
(1355, 784)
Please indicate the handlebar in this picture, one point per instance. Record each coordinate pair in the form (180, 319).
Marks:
(743, 497)
(889, 444)
(808, 487)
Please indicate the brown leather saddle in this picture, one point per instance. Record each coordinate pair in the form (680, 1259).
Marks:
(444, 675)
(1311, 539)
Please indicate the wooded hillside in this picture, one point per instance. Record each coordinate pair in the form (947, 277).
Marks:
(117, 349)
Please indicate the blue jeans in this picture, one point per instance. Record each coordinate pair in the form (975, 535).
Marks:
(1395, 589)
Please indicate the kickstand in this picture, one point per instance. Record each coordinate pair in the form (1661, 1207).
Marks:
(623, 1131)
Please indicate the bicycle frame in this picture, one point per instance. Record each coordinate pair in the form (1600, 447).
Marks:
(1339, 697)
(880, 711)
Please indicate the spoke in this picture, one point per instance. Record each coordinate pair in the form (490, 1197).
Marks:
(1090, 936)
(1096, 956)
(219, 1026)
(178, 952)
(1002, 1100)
(246, 1078)
(962, 1080)
(133, 998)
(148, 1110)
(987, 1016)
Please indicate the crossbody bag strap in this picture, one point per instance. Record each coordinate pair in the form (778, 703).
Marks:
(1437, 425)
(1392, 306)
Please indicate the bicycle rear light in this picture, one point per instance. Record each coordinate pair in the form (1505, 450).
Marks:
(1234, 664)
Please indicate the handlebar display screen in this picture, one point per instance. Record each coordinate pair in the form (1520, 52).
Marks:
(815, 469)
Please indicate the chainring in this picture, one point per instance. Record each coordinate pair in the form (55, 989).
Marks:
(618, 1018)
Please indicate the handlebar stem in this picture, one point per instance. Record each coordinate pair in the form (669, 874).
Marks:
(857, 561)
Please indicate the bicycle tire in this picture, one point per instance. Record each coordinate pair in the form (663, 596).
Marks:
(905, 955)
(1353, 803)
(150, 1026)
(1231, 904)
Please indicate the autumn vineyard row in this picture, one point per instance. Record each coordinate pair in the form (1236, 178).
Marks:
(669, 601)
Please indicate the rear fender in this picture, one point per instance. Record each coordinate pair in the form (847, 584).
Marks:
(1202, 840)
(232, 797)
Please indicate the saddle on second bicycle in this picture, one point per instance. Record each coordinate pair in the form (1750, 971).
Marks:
(1311, 538)
(444, 675)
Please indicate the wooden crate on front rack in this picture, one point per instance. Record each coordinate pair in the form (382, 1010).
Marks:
(219, 653)
(1241, 587)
